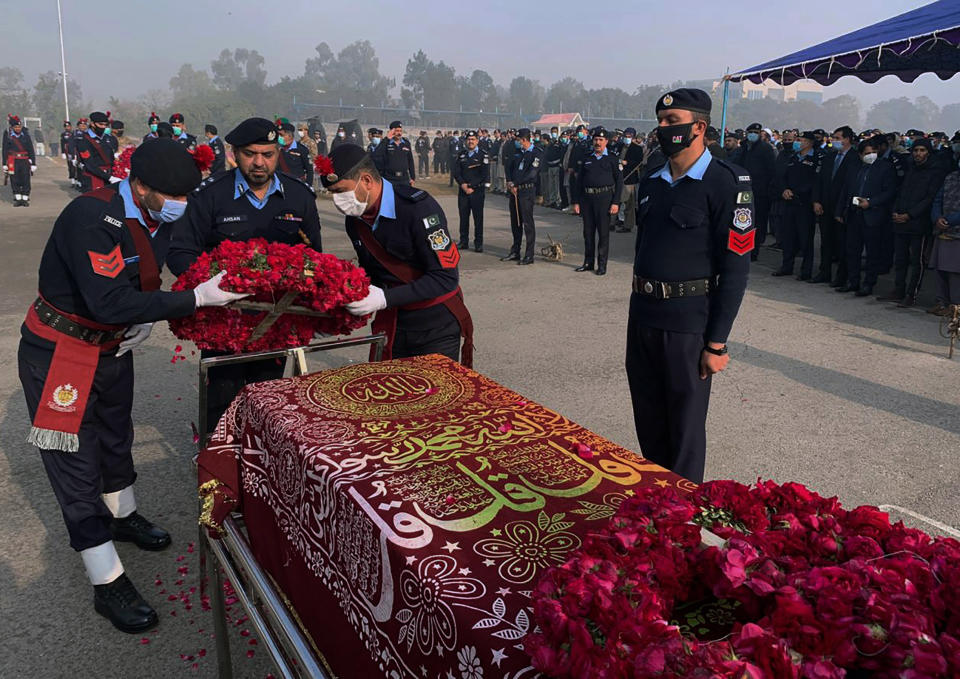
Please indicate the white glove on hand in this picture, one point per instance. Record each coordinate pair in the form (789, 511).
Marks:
(209, 293)
(135, 334)
(115, 180)
(6, 169)
(33, 168)
(63, 155)
(374, 301)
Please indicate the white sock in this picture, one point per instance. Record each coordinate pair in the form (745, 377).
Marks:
(17, 196)
(121, 503)
(102, 563)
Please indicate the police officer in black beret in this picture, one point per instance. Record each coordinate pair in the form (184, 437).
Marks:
(252, 201)
(796, 187)
(95, 153)
(152, 122)
(402, 242)
(523, 172)
(394, 157)
(179, 126)
(216, 145)
(695, 232)
(294, 158)
(375, 136)
(596, 197)
(99, 296)
(471, 171)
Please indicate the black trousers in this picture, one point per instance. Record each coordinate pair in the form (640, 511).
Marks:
(436, 163)
(860, 236)
(595, 210)
(225, 382)
(428, 331)
(521, 220)
(423, 165)
(471, 204)
(71, 169)
(797, 236)
(908, 249)
(833, 245)
(104, 463)
(564, 197)
(669, 399)
(761, 214)
(20, 179)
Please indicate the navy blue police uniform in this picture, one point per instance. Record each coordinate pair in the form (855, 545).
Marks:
(599, 185)
(689, 276)
(523, 172)
(797, 226)
(223, 208)
(18, 159)
(94, 155)
(394, 159)
(473, 169)
(219, 151)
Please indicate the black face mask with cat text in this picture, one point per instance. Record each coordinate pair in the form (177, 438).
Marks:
(674, 138)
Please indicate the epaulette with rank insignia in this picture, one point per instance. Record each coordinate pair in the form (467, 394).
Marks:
(741, 175)
(213, 179)
(409, 193)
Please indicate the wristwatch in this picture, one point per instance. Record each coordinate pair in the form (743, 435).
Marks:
(722, 351)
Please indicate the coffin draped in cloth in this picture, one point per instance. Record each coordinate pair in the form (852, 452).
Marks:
(407, 508)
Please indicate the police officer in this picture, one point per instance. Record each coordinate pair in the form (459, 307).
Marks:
(796, 190)
(632, 159)
(340, 138)
(79, 132)
(216, 145)
(402, 242)
(522, 175)
(95, 154)
(252, 201)
(99, 297)
(759, 158)
(19, 161)
(439, 152)
(374, 136)
(471, 171)
(152, 122)
(294, 158)
(179, 126)
(422, 147)
(596, 198)
(454, 146)
(695, 226)
(65, 139)
(394, 157)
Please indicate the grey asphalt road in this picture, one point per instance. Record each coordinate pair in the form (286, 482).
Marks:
(852, 397)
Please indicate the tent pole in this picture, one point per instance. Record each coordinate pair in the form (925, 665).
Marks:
(723, 116)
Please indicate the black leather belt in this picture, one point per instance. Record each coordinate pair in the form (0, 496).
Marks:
(525, 186)
(50, 316)
(593, 190)
(662, 290)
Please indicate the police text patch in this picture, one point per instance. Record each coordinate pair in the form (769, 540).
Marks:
(112, 221)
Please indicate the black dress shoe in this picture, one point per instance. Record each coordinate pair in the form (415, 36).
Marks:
(513, 256)
(906, 302)
(847, 288)
(803, 277)
(837, 283)
(141, 532)
(819, 278)
(865, 291)
(584, 267)
(121, 604)
(478, 247)
(892, 297)
(781, 272)
(601, 271)
(526, 260)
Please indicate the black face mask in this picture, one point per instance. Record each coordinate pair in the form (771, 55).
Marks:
(674, 138)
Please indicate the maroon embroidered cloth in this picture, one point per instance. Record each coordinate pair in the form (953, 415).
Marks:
(406, 509)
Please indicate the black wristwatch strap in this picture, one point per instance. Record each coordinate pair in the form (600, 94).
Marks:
(722, 351)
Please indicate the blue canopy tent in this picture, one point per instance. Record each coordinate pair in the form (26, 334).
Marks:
(924, 40)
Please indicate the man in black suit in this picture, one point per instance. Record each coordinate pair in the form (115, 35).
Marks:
(865, 210)
(839, 168)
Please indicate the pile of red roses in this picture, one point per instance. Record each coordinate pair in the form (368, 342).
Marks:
(824, 592)
(268, 271)
(121, 165)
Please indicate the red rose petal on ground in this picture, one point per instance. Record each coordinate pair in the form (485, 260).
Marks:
(178, 348)
(202, 652)
(144, 641)
(251, 653)
(244, 633)
(253, 642)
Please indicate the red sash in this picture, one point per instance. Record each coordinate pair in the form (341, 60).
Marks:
(97, 183)
(386, 319)
(19, 154)
(66, 387)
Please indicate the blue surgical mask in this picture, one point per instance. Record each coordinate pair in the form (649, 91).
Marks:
(581, 135)
(375, 141)
(553, 134)
(836, 145)
(753, 137)
(907, 143)
(281, 141)
(107, 130)
(177, 131)
(171, 211)
(797, 146)
(516, 143)
(153, 127)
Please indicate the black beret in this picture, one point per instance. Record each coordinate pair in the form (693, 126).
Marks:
(154, 118)
(286, 127)
(812, 136)
(164, 129)
(372, 130)
(66, 123)
(253, 131)
(470, 133)
(212, 129)
(524, 133)
(686, 98)
(956, 137)
(924, 142)
(754, 127)
(116, 125)
(99, 117)
(601, 133)
(820, 131)
(176, 118)
(166, 166)
(630, 130)
(343, 159)
(395, 123)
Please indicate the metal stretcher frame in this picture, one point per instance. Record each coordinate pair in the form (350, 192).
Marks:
(290, 649)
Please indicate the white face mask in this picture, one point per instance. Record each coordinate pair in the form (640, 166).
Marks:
(300, 134)
(870, 158)
(348, 204)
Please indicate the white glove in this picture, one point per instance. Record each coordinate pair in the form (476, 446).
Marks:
(135, 334)
(6, 169)
(209, 293)
(33, 168)
(115, 180)
(63, 155)
(374, 301)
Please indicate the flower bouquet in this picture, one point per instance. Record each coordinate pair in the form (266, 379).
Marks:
(819, 592)
(295, 293)
(121, 166)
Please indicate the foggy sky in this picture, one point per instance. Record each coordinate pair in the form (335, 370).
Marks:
(124, 49)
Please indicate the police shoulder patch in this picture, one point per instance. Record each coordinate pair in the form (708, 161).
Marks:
(741, 243)
(742, 218)
(113, 221)
(439, 240)
(431, 222)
